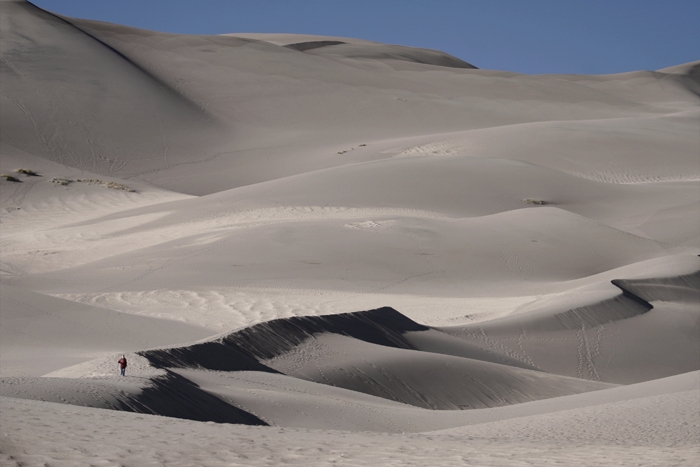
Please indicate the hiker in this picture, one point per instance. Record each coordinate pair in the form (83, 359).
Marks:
(122, 364)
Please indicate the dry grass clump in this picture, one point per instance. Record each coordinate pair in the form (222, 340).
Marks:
(10, 178)
(111, 185)
(62, 181)
(91, 181)
(27, 172)
(538, 202)
(119, 186)
(94, 181)
(351, 149)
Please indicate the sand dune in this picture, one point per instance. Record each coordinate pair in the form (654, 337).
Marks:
(397, 255)
(277, 117)
(344, 48)
(647, 331)
(377, 360)
(645, 436)
(221, 208)
(166, 395)
(74, 100)
(426, 380)
(373, 357)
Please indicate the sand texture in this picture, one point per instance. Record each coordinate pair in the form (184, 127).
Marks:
(329, 251)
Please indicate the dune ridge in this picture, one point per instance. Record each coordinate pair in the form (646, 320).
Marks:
(245, 348)
(189, 382)
(283, 345)
(605, 339)
(684, 288)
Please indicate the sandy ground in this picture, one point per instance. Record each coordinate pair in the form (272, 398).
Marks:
(324, 250)
(656, 430)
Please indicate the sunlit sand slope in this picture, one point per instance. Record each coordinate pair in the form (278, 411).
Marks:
(40, 334)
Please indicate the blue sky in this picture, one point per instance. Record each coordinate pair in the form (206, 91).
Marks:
(526, 36)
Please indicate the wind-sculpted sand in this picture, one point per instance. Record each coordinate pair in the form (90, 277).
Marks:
(326, 250)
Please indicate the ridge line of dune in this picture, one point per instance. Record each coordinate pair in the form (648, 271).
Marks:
(631, 295)
(244, 348)
(159, 82)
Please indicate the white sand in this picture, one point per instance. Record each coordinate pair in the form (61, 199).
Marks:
(188, 187)
(644, 431)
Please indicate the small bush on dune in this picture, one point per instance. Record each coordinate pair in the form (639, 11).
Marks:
(94, 181)
(62, 181)
(538, 202)
(112, 185)
(119, 186)
(27, 172)
(10, 178)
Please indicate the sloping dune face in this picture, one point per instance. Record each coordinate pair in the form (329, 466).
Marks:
(220, 209)
(70, 98)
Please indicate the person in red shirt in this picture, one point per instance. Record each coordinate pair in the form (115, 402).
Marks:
(122, 364)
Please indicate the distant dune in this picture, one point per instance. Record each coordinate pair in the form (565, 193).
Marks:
(329, 250)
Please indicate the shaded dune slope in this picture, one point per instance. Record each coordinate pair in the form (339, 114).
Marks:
(244, 349)
(174, 396)
(376, 51)
(422, 379)
(380, 353)
(685, 288)
(650, 330)
(168, 395)
(621, 306)
(374, 354)
(310, 45)
(688, 75)
(369, 352)
(390, 53)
